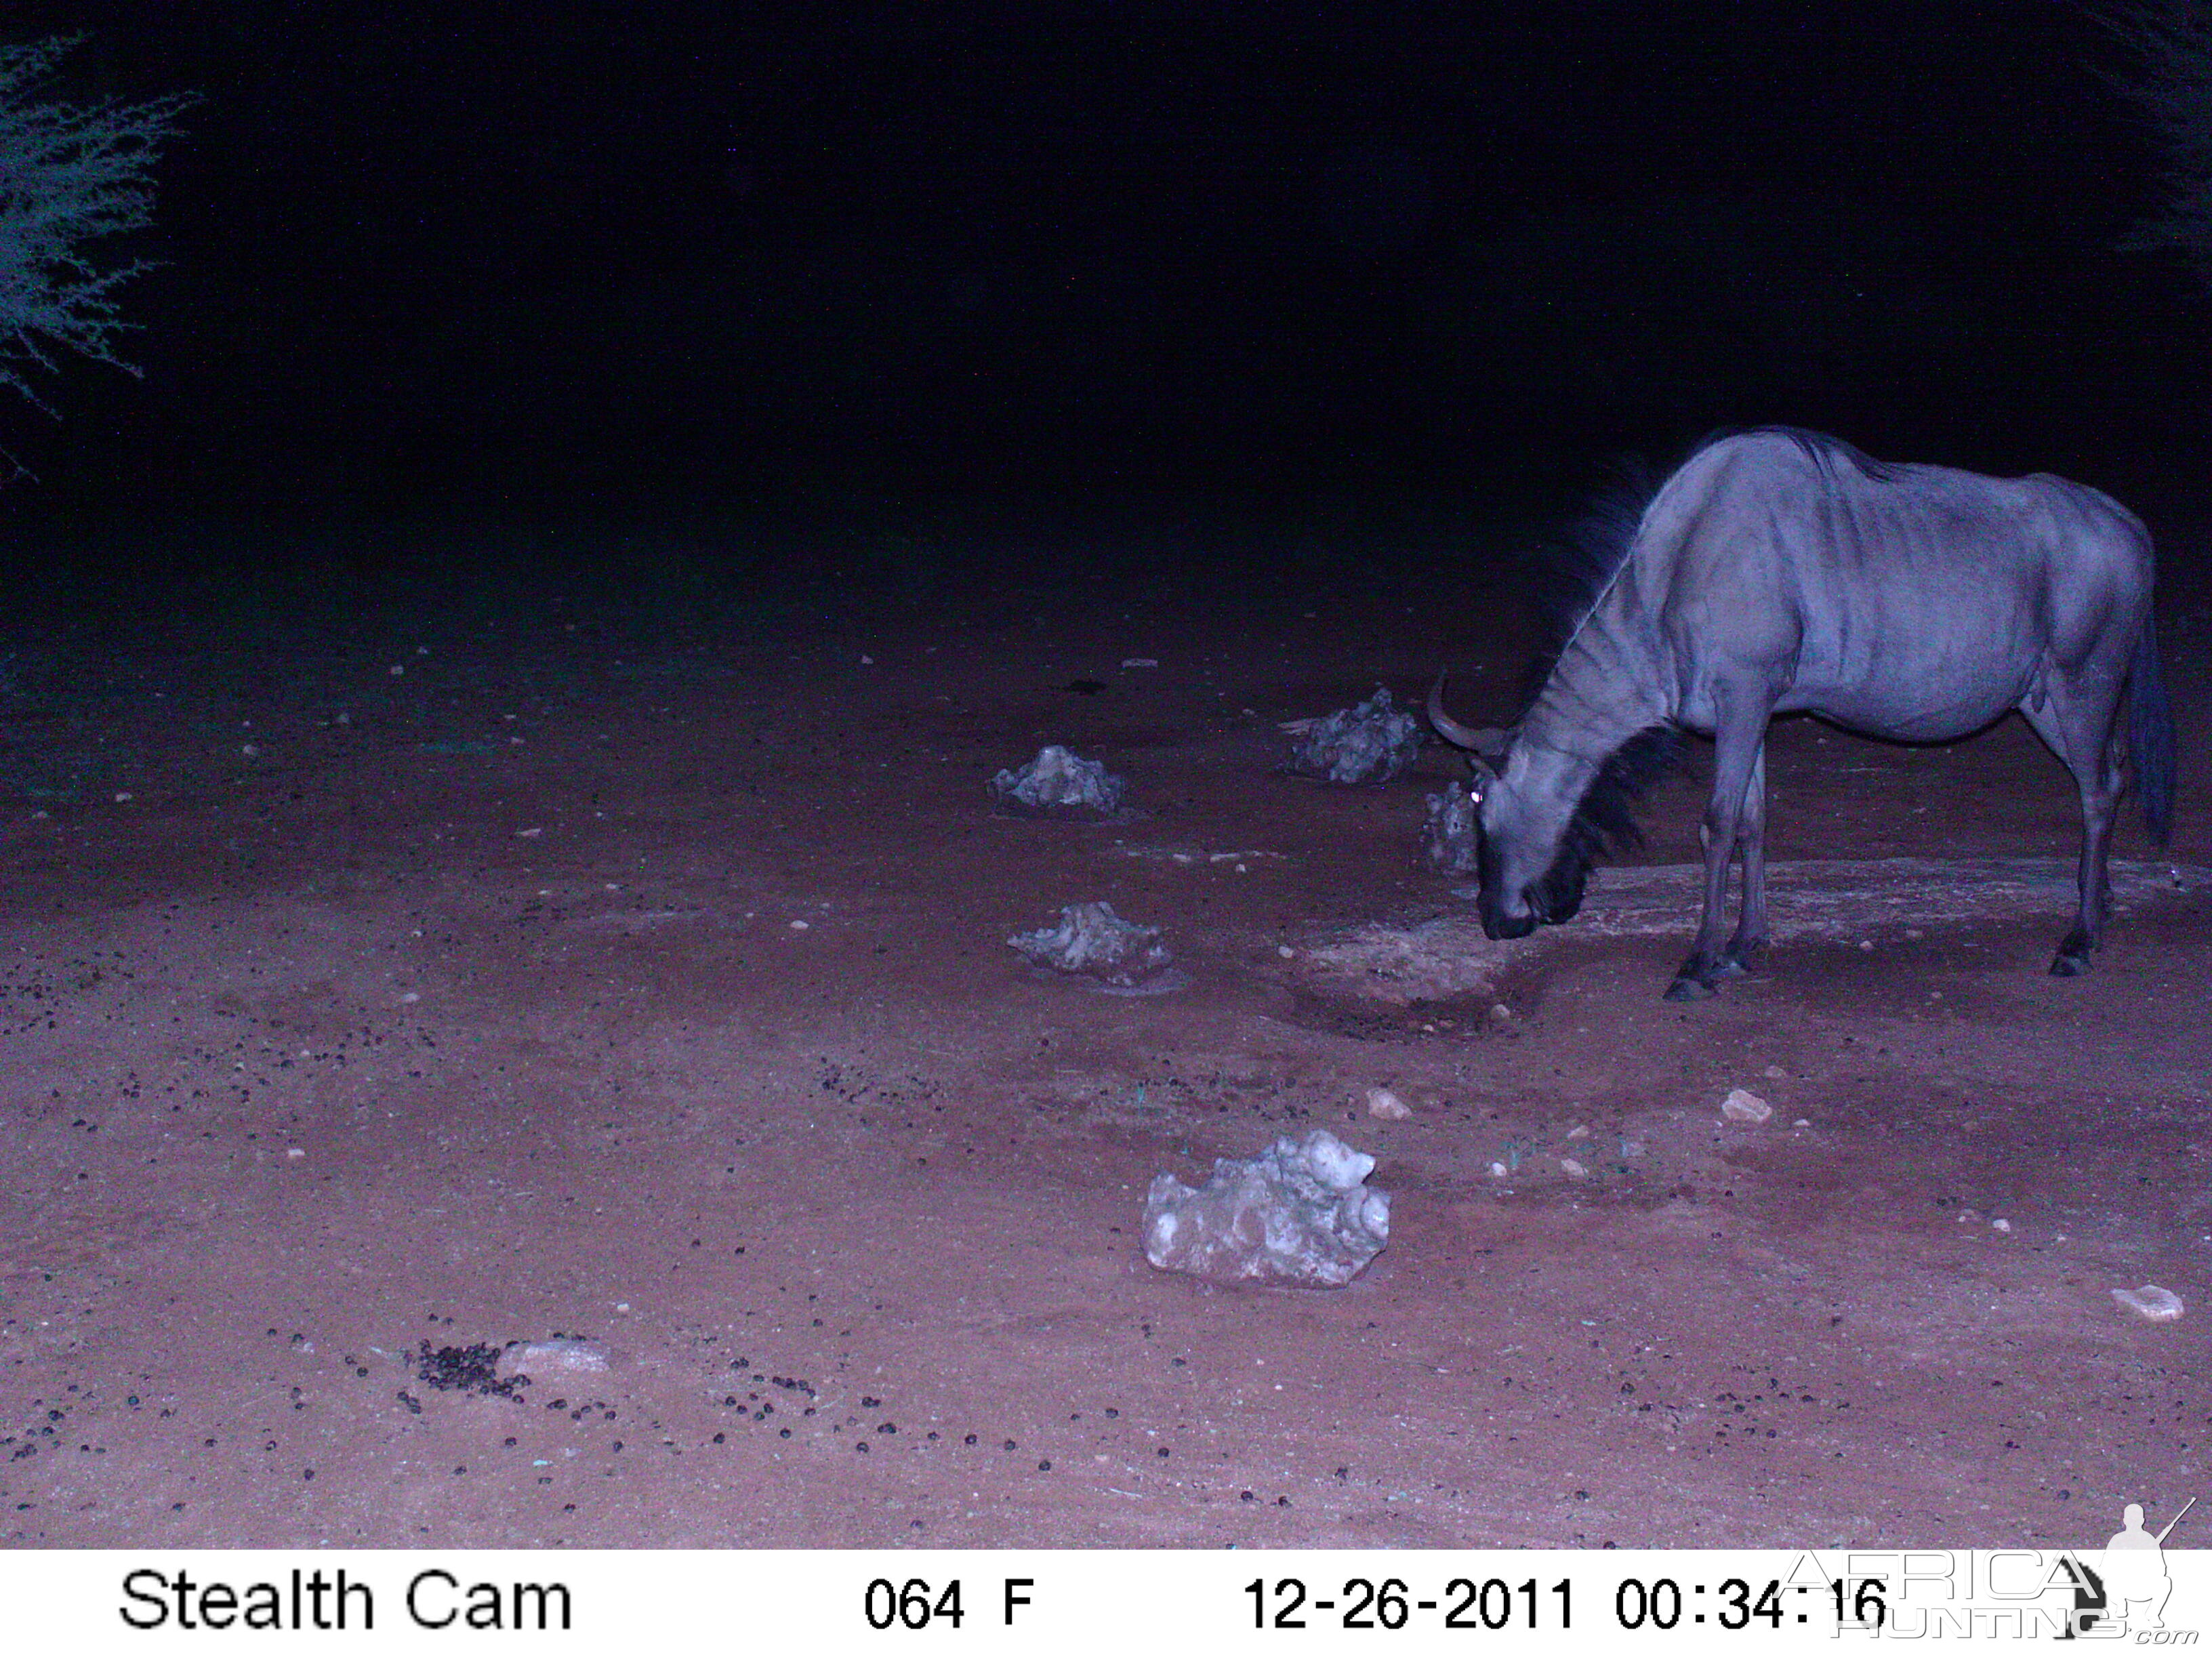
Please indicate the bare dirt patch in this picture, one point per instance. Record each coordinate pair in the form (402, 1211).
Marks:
(645, 987)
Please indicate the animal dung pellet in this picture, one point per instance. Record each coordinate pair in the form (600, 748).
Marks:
(1741, 1106)
(1300, 1212)
(2152, 1302)
(1385, 1104)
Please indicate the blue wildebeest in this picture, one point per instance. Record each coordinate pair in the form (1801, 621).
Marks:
(1779, 571)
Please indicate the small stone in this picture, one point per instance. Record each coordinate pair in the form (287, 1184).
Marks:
(1574, 1168)
(1741, 1106)
(1499, 1172)
(1580, 1131)
(1385, 1104)
(2001, 1225)
(2153, 1301)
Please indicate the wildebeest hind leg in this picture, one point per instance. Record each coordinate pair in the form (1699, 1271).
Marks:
(1749, 944)
(1738, 751)
(2080, 728)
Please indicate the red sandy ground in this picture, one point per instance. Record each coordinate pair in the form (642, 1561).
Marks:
(647, 982)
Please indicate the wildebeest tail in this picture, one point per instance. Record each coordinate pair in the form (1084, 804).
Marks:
(2150, 735)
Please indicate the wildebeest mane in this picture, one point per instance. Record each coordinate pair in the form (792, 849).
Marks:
(1825, 452)
(1574, 577)
(1573, 572)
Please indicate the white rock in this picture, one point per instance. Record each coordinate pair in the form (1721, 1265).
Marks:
(1741, 1106)
(1091, 939)
(2152, 1302)
(566, 1354)
(1300, 1211)
(1061, 783)
(1372, 742)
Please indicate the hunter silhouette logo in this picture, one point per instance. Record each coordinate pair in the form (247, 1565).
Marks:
(2135, 1583)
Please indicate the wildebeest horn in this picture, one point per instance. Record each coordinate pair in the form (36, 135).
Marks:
(1489, 742)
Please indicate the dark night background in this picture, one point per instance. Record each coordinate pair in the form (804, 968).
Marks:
(692, 268)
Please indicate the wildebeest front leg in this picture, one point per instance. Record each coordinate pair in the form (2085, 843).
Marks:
(1739, 759)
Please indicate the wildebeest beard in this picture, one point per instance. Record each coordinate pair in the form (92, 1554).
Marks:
(1602, 822)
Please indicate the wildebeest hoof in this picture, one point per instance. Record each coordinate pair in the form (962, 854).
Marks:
(2068, 965)
(1686, 990)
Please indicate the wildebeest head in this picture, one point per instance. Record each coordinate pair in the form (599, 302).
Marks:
(1535, 850)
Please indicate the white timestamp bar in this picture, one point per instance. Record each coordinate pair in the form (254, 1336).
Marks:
(999, 1600)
